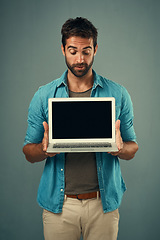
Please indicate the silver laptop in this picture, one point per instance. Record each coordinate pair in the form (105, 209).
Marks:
(81, 125)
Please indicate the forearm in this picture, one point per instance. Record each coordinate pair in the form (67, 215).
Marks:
(34, 152)
(128, 151)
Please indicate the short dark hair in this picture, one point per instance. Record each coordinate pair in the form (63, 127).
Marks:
(80, 27)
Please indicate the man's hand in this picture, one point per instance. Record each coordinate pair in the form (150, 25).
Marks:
(126, 150)
(45, 140)
(119, 140)
(36, 152)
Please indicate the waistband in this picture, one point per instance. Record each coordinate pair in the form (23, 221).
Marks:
(85, 195)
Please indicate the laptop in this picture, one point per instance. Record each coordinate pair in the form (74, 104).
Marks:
(81, 125)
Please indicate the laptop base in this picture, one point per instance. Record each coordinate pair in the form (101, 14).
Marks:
(51, 149)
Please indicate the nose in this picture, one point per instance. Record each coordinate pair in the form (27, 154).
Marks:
(80, 58)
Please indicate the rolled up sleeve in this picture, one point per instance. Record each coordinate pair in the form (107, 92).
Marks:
(36, 118)
(126, 117)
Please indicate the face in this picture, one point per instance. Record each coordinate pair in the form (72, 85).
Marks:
(79, 55)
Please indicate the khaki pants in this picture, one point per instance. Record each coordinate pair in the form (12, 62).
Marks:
(81, 216)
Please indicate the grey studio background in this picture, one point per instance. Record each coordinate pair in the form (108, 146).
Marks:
(31, 56)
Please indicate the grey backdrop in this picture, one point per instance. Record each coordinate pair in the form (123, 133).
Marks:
(31, 56)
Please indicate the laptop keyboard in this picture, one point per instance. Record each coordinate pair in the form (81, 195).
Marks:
(81, 145)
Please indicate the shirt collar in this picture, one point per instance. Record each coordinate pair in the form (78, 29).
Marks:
(97, 80)
(63, 79)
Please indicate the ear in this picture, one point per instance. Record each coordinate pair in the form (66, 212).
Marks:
(95, 51)
(63, 50)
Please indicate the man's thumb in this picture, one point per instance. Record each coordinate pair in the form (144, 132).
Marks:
(45, 125)
(117, 125)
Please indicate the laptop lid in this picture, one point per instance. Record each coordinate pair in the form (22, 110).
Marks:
(81, 119)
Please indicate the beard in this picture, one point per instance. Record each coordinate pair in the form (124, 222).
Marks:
(80, 72)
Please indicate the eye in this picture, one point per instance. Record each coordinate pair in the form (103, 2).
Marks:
(73, 52)
(86, 52)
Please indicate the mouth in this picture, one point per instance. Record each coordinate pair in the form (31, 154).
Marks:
(80, 67)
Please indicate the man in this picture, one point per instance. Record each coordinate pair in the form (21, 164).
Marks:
(80, 192)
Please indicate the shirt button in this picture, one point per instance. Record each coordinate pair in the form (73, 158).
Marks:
(61, 190)
(61, 169)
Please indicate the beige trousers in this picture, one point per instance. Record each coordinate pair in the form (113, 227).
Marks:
(81, 216)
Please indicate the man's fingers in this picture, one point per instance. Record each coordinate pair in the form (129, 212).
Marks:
(46, 129)
(45, 138)
(45, 125)
(117, 125)
(119, 140)
(44, 144)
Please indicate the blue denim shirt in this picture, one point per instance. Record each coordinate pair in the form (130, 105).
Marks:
(52, 185)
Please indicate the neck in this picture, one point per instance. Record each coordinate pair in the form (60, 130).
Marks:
(80, 84)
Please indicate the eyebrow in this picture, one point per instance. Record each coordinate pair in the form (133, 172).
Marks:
(76, 47)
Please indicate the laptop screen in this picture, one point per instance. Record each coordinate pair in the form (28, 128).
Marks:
(81, 120)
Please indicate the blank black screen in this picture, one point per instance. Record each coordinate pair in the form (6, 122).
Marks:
(77, 120)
